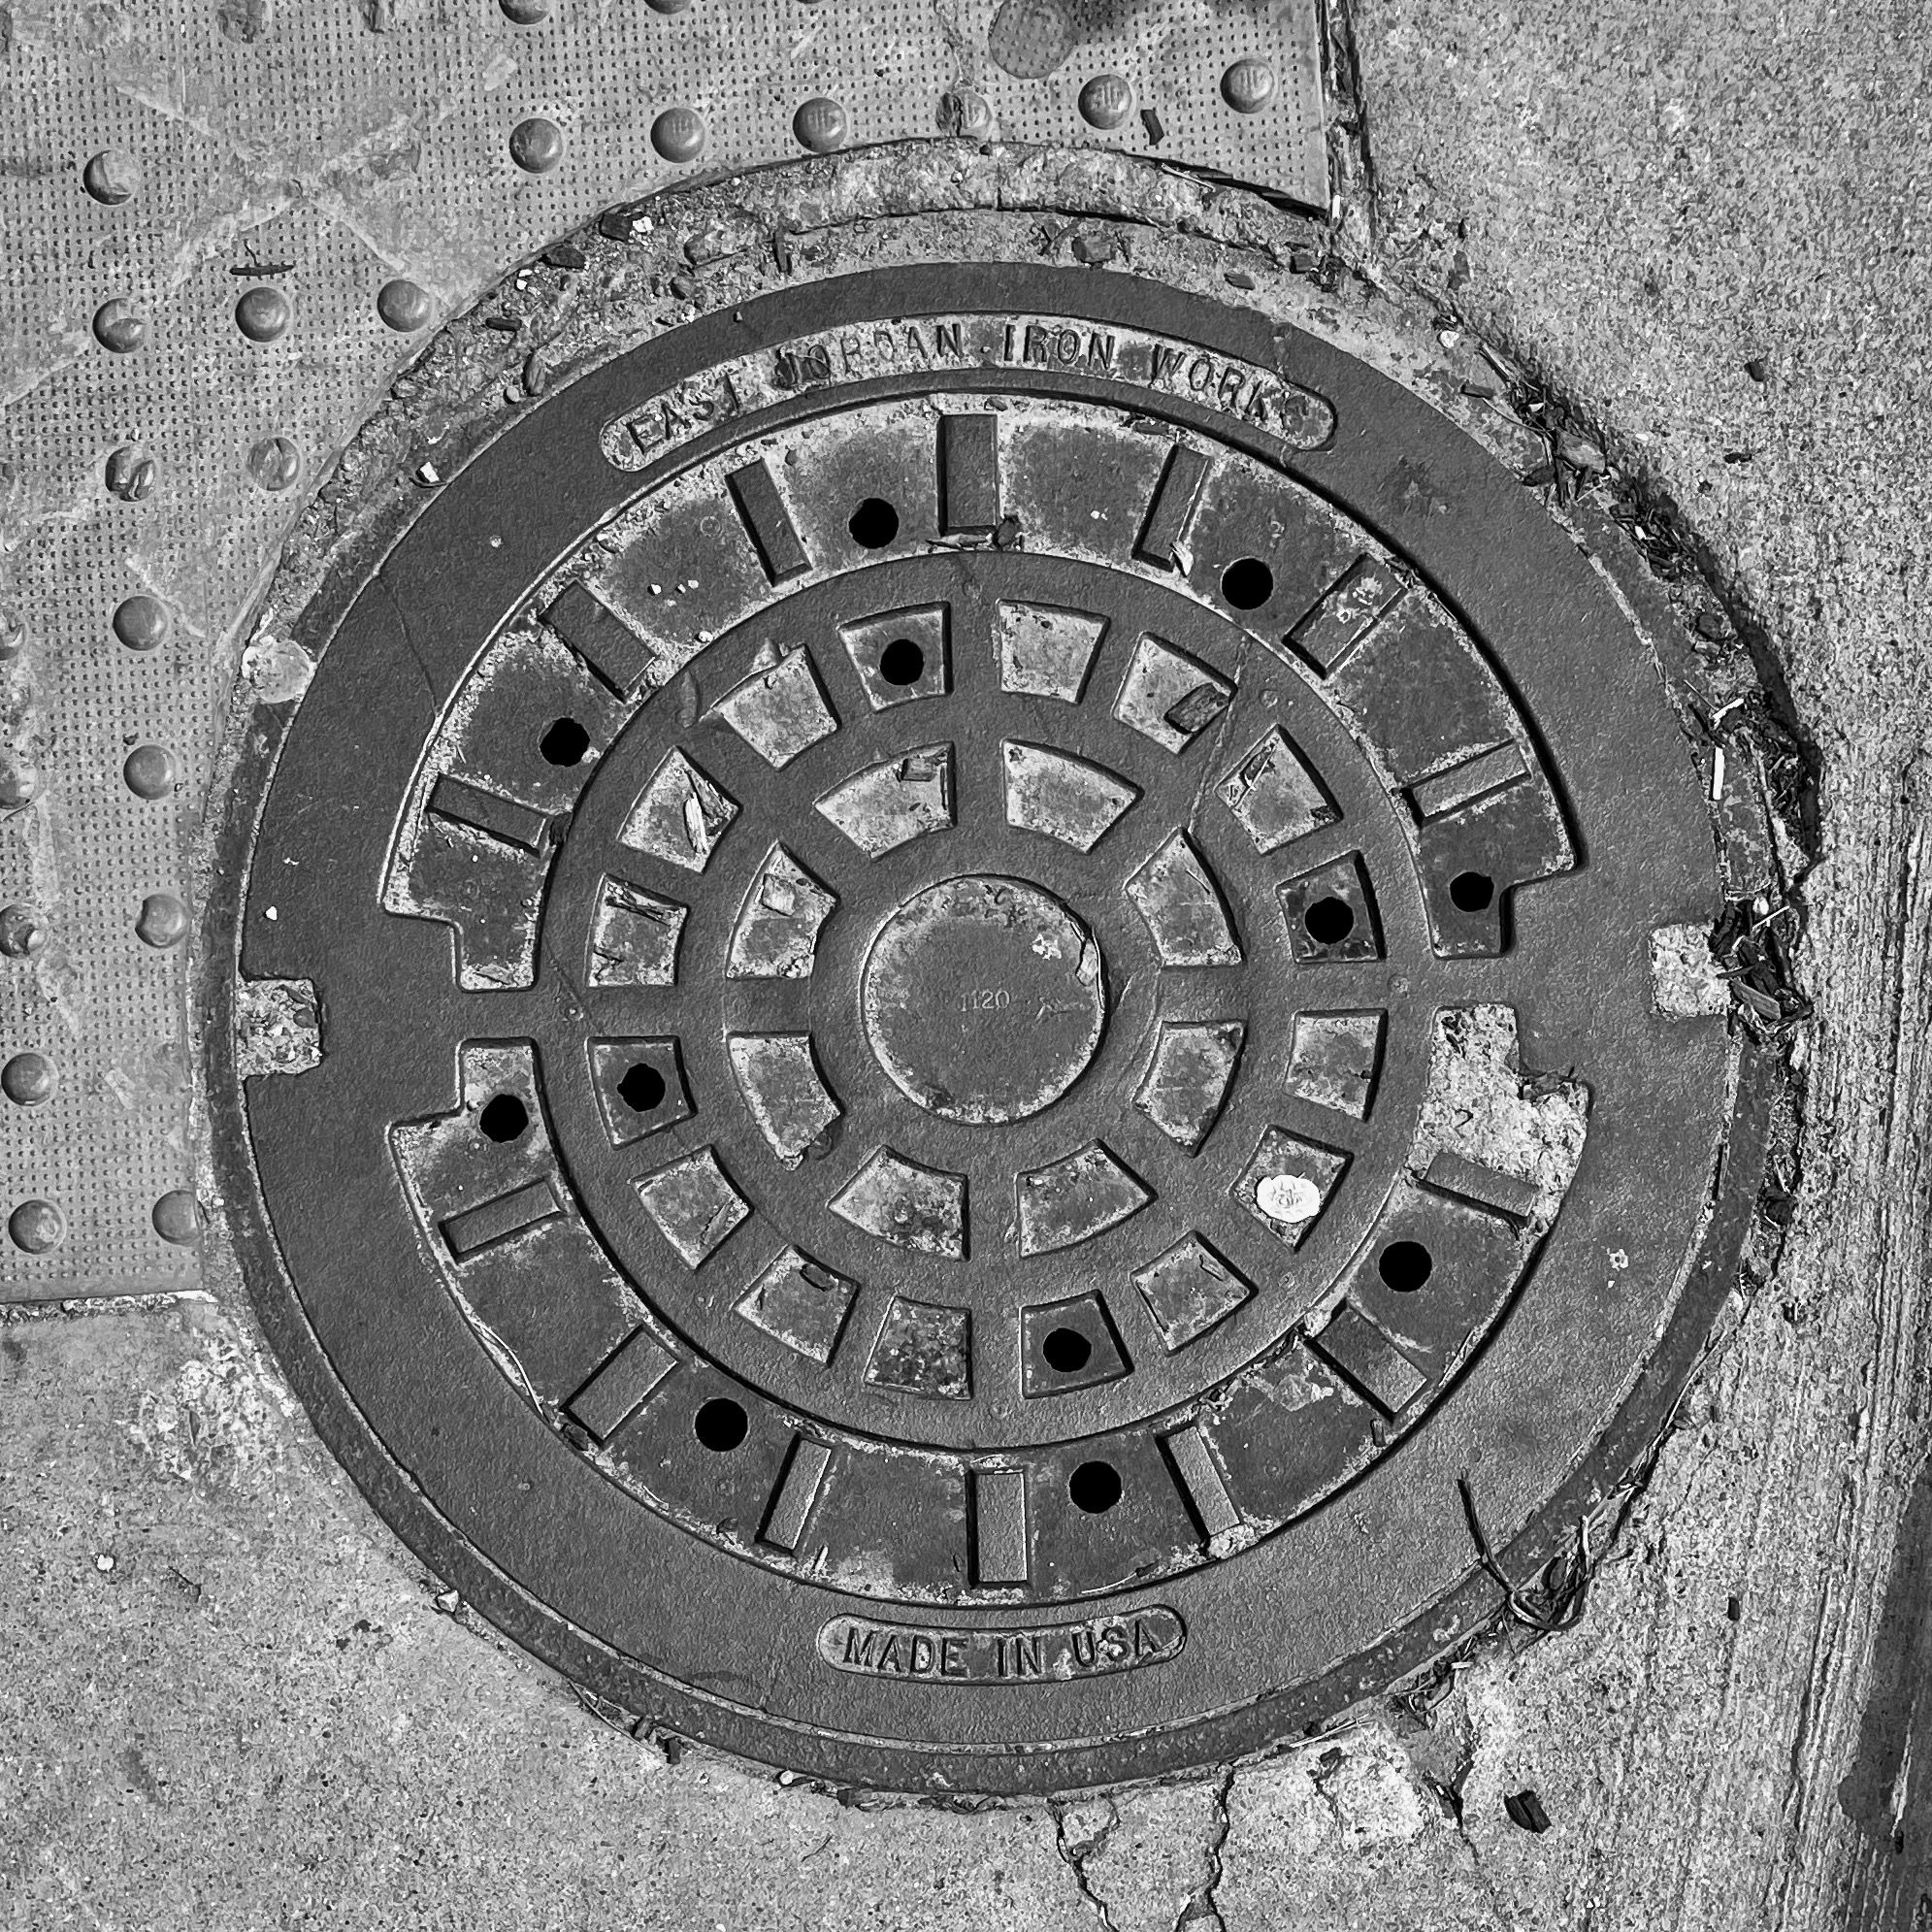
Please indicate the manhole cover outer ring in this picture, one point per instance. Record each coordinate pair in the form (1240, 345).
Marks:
(1459, 482)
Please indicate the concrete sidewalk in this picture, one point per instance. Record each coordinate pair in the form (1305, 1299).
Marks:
(233, 1702)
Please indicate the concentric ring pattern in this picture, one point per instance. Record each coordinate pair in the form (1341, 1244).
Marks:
(956, 904)
(983, 941)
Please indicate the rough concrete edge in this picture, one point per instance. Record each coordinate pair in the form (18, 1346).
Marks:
(1668, 579)
(1091, 197)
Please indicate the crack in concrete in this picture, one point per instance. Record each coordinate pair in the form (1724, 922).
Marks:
(1075, 1855)
(1203, 1912)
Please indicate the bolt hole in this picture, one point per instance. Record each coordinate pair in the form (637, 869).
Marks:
(504, 1118)
(1066, 1350)
(565, 742)
(1247, 583)
(1094, 1487)
(641, 1089)
(874, 523)
(1471, 892)
(902, 662)
(1329, 921)
(720, 1424)
(1405, 1265)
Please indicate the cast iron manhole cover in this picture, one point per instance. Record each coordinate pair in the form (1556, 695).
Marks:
(984, 949)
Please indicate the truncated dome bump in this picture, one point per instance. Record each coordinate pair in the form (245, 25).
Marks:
(118, 327)
(111, 176)
(263, 315)
(176, 1218)
(820, 125)
(403, 306)
(27, 1079)
(678, 134)
(536, 144)
(142, 622)
(1106, 102)
(1248, 85)
(162, 922)
(23, 931)
(36, 1227)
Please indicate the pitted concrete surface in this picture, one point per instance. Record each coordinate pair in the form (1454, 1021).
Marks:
(231, 1701)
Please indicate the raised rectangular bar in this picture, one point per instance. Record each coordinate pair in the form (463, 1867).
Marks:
(601, 638)
(617, 1390)
(1463, 784)
(1355, 1346)
(489, 812)
(500, 1220)
(1345, 612)
(797, 1493)
(1201, 1479)
(969, 475)
(999, 1527)
(767, 522)
(1482, 1187)
(1176, 498)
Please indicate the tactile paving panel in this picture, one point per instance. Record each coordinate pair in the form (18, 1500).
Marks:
(164, 163)
(982, 937)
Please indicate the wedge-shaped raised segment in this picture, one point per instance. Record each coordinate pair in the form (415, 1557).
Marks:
(1439, 1266)
(1067, 1345)
(1047, 652)
(640, 1087)
(1185, 914)
(694, 1205)
(885, 805)
(899, 654)
(634, 937)
(800, 1303)
(1274, 795)
(894, 1199)
(1168, 697)
(1330, 913)
(481, 861)
(776, 933)
(1288, 1183)
(1333, 1060)
(781, 708)
(1075, 1198)
(680, 816)
(1482, 812)
(1065, 798)
(1190, 1290)
(1187, 1083)
(783, 1091)
(925, 1348)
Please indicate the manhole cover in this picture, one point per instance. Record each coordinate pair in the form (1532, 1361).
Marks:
(984, 949)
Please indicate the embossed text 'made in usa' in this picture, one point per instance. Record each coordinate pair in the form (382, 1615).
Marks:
(1095, 1648)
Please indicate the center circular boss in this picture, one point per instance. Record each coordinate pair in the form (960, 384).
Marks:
(984, 999)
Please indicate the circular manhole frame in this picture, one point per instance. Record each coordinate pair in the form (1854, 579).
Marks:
(322, 574)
